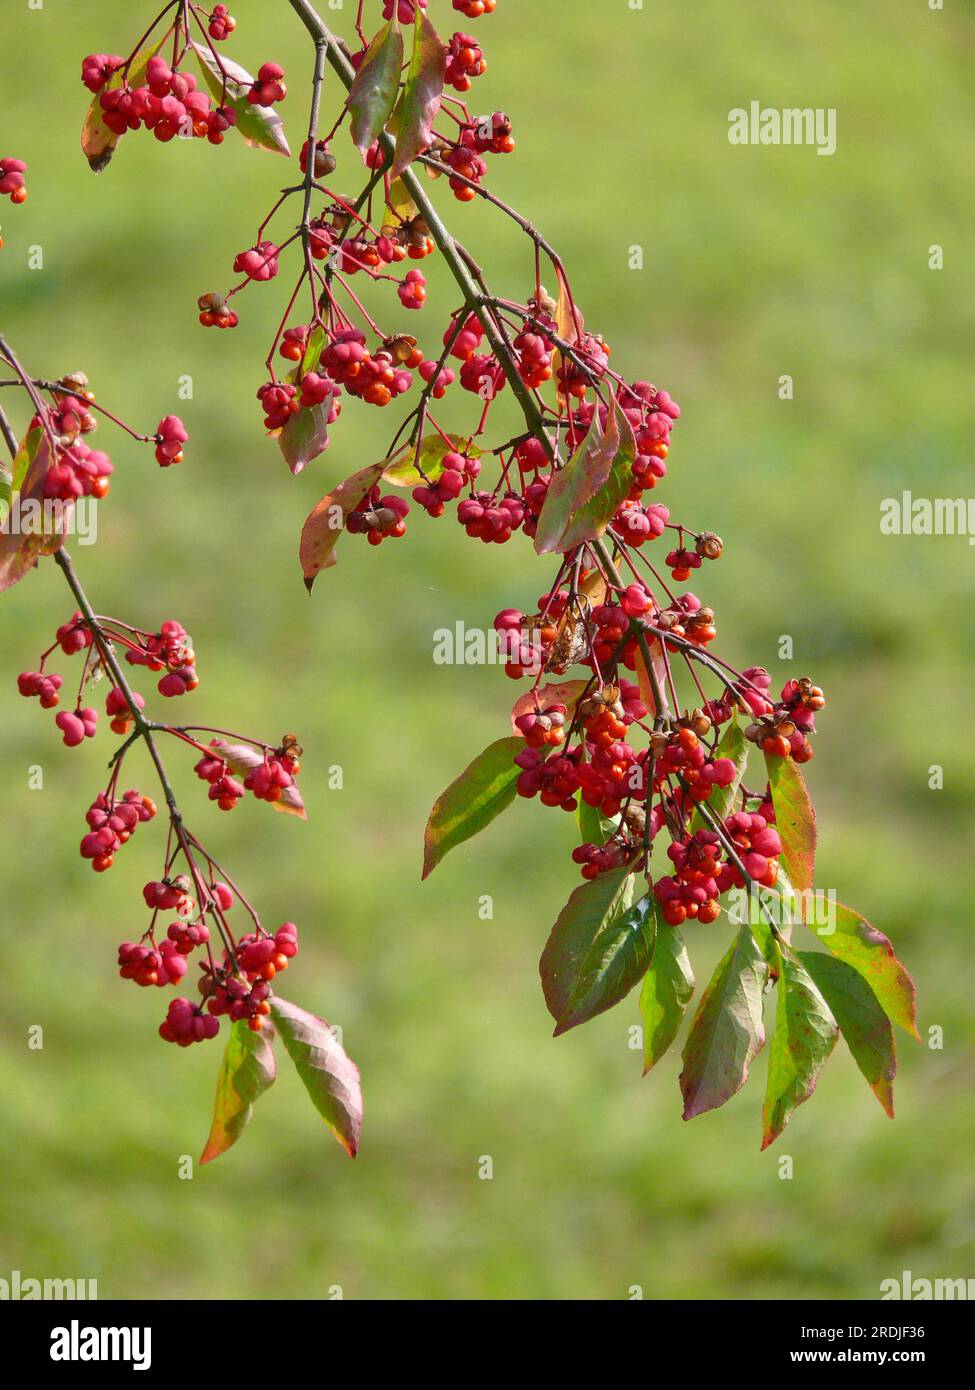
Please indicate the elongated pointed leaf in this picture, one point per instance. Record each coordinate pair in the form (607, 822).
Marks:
(420, 102)
(617, 958)
(727, 1032)
(326, 521)
(98, 143)
(595, 906)
(243, 758)
(372, 95)
(584, 495)
(305, 436)
(667, 989)
(401, 470)
(594, 827)
(870, 953)
(24, 534)
(329, 1075)
(805, 1035)
(864, 1026)
(247, 1070)
(481, 792)
(795, 820)
(647, 693)
(259, 126)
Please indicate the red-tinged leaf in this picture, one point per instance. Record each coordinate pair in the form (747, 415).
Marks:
(420, 101)
(805, 1035)
(594, 905)
(24, 534)
(305, 436)
(643, 676)
(569, 323)
(372, 95)
(795, 820)
(666, 993)
(98, 143)
(733, 745)
(543, 697)
(243, 759)
(247, 1070)
(480, 793)
(865, 1028)
(584, 495)
(591, 964)
(869, 952)
(259, 126)
(727, 1032)
(326, 521)
(401, 470)
(329, 1075)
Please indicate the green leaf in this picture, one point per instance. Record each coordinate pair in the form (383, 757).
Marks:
(597, 950)
(373, 92)
(326, 521)
(795, 819)
(871, 955)
(594, 827)
(401, 469)
(420, 101)
(260, 126)
(584, 495)
(247, 1070)
(865, 1027)
(667, 989)
(480, 793)
(733, 745)
(97, 141)
(305, 436)
(727, 1032)
(805, 1035)
(330, 1077)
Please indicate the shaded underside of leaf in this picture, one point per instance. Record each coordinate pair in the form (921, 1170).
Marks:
(592, 906)
(246, 1072)
(373, 92)
(617, 959)
(865, 1028)
(481, 792)
(667, 989)
(727, 1032)
(805, 1035)
(329, 1075)
(583, 497)
(420, 102)
(305, 436)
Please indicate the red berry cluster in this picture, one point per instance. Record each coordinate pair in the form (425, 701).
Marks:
(465, 61)
(112, 821)
(12, 180)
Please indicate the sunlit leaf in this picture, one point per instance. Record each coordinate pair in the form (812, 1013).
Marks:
(401, 470)
(481, 792)
(795, 820)
(864, 1026)
(260, 126)
(247, 1070)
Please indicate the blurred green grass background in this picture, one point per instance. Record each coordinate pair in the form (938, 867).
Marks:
(759, 262)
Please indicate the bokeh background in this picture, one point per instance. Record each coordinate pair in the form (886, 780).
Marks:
(758, 262)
